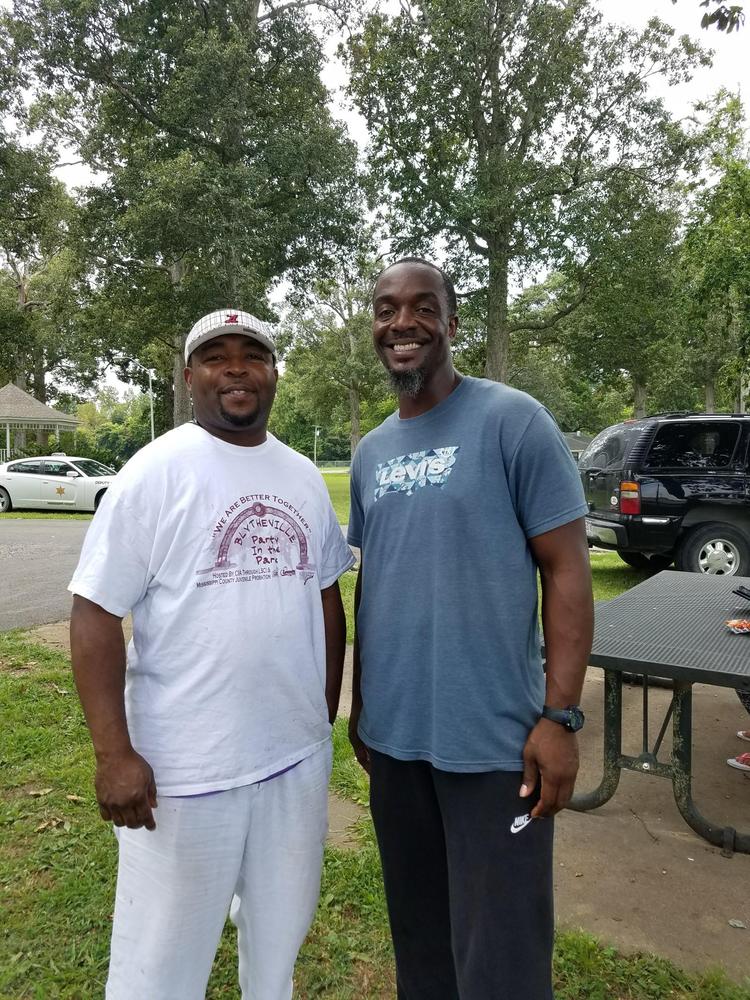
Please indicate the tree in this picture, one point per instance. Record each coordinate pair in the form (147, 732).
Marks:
(222, 166)
(629, 323)
(726, 17)
(506, 130)
(716, 260)
(330, 357)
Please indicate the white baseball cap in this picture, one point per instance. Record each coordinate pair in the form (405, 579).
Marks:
(229, 321)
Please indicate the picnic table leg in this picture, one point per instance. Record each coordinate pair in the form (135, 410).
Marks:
(612, 747)
(725, 837)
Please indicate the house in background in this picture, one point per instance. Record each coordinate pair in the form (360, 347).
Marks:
(577, 442)
(21, 412)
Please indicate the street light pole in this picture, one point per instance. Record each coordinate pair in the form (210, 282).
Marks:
(315, 446)
(151, 402)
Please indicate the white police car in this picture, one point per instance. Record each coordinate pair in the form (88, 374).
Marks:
(53, 482)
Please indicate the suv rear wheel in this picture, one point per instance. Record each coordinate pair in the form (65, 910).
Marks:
(716, 549)
(639, 560)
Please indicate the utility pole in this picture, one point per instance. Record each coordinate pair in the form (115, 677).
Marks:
(143, 368)
(315, 446)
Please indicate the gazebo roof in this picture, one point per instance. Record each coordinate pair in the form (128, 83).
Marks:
(19, 409)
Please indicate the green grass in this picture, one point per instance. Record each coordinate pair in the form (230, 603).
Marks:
(338, 488)
(57, 869)
(57, 860)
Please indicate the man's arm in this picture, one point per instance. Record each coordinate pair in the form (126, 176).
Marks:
(334, 623)
(567, 619)
(360, 749)
(125, 787)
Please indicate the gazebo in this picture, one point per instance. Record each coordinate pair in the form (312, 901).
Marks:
(20, 411)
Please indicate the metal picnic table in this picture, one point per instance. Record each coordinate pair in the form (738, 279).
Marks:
(670, 626)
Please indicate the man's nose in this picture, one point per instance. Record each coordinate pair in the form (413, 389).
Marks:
(237, 364)
(403, 319)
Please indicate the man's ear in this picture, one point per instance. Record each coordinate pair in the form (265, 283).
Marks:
(188, 373)
(452, 327)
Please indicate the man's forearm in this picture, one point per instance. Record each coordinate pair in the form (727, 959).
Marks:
(334, 621)
(97, 650)
(567, 621)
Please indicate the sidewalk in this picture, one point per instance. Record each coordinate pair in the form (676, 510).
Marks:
(633, 873)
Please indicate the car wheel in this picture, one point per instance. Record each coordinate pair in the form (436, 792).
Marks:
(98, 499)
(715, 549)
(5, 501)
(639, 560)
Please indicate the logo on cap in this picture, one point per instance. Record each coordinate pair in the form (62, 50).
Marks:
(232, 318)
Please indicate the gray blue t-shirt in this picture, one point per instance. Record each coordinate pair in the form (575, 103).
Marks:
(442, 506)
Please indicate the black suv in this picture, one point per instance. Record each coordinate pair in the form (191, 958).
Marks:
(674, 487)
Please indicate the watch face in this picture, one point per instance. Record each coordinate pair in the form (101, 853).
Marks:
(577, 718)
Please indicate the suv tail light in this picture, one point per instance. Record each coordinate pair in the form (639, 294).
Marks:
(630, 498)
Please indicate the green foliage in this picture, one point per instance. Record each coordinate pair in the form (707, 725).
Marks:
(223, 168)
(331, 370)
(726, 17)
(513, 132)
(112, 431)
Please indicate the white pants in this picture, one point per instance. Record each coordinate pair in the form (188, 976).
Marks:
(258, 848)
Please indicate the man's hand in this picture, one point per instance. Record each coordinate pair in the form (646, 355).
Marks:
(552, 753)
(360, 749)
(126, 790)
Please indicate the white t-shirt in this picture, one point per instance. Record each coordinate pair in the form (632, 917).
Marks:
(220, 552)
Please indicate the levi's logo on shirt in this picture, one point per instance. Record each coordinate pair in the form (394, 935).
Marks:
(407, 473)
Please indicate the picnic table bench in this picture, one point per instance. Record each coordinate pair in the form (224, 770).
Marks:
(670, 626)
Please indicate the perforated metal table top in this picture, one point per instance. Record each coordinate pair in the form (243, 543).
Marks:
(672, 625)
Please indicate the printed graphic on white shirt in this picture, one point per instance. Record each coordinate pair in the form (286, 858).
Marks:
(258, 537)
(408, 473)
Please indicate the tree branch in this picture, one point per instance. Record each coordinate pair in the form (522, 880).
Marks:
(550, 321)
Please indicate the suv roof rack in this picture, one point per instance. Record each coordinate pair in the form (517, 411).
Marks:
(692, 413)
(674, 413)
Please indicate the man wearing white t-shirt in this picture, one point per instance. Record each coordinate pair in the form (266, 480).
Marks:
(212, 744)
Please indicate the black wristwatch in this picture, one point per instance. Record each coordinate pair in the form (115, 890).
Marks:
(572, 718)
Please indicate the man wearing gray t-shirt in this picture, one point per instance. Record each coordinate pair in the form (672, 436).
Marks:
(458, 500)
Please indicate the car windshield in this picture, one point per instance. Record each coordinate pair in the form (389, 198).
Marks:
(91, 468)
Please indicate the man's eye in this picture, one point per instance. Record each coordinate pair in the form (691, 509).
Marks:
(384, 313)
(213, 357)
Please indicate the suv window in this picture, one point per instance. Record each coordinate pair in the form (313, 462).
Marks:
(30, 468)
(693, 445)
(608, 449)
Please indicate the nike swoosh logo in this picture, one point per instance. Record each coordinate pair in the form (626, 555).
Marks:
(519, 823)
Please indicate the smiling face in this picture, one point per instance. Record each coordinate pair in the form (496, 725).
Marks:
(413, 327)
(233, 383)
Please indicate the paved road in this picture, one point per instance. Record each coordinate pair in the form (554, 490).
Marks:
(37, 559)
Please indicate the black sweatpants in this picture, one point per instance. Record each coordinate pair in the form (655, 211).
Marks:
(468, 881)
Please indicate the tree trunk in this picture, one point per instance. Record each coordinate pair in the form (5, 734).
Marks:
(496, 365)
(183, 407)
(639, 397)
(710, 395)
(356, 433)
(182, 410)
